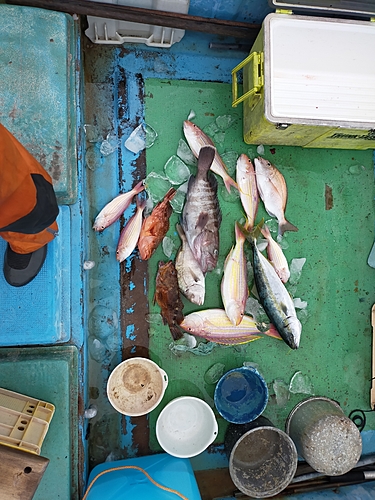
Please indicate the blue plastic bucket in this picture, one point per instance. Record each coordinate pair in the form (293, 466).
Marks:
(241, 395)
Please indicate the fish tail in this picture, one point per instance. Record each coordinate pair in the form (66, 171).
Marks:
(228, 182)
(176, 332)
(286, 226)
(205, 159)
(170, 194)
(272, 332)
(139, 187)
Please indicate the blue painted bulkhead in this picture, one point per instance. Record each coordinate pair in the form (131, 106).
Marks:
(63, 334)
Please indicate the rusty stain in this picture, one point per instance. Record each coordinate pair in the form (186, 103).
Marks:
(328, 197)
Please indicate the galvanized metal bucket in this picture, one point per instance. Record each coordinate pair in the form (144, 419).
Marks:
(263, 461)
(327, 439)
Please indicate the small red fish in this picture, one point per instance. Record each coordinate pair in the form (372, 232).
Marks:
(167, 296)
(155, 226)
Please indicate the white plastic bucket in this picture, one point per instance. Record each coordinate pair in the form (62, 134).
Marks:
(186, 427)
(136, 386)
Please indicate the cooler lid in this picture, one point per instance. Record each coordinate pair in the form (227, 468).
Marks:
(348, 7)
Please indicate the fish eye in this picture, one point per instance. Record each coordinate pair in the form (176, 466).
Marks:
(216, 252)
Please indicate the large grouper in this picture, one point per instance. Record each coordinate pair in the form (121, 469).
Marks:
(201, 215)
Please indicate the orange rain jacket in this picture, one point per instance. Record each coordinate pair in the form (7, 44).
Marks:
(28, 207)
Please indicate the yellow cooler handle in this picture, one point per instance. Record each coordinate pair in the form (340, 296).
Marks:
(257, 59)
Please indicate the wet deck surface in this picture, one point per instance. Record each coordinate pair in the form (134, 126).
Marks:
(126, 86)
(106, 314)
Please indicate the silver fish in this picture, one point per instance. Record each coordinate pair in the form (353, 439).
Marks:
(115, 208)
(190, 277)
(234, 290)
(273, 191)
(247, 187)
(196, 139)
(275, 298)
(201, 216)
(215, 326)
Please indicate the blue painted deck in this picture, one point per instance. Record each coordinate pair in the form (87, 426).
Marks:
(63, 334)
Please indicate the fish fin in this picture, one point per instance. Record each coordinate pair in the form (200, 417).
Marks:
(272, 332)
(286, 226)
(139, 187)
(170, 194)
(228, 182)
(176, 332)
(205, 159)
(202, 221)
(254, 233)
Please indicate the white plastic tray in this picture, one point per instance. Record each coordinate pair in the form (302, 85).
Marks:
(111, 31)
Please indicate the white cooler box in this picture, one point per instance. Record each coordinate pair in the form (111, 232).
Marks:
(310, 81)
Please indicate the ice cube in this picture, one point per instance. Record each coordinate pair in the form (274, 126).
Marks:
(190, 340)
(143, 136)
(301, 384)
(230, 159)
(168, 246)
(176, 171)
(96, 349)
(178, 200)
(90, 412)
(92, 133)
(185, 153)
(102, 322)
(191, 115)
(225, 121)
(371, 257)
(260, 149)
(156, 186)
(296, 270)
(282, 393)
(214, 373)
(299, 304)
(88, 264)
(109, 145)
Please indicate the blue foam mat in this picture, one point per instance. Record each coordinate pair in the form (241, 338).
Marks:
(171, 472)
(39, 313)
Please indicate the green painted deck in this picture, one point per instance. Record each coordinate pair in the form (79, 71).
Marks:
(334, 236)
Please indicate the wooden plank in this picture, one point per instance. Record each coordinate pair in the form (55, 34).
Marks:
(20, 473)
(215, 483)
(147, 16)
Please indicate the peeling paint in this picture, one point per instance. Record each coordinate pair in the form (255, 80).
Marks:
(130, 332)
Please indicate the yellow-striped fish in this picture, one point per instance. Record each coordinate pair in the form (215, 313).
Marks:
(234, 290)
(215, 326)
(276, 256)
(247, 187)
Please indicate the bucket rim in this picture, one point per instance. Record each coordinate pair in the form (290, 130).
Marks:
(303, 402)
(163, 376)
(292, 469)
(208, 441)
(240, 369)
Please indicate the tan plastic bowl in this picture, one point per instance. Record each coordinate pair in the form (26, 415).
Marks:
(136, 386)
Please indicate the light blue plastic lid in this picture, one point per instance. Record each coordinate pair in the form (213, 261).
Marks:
(171, 472)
